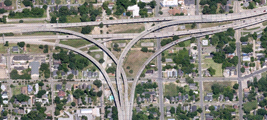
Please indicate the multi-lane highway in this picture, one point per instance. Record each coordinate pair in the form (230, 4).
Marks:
(175, 19)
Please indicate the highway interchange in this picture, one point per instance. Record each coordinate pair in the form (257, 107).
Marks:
(121, 96)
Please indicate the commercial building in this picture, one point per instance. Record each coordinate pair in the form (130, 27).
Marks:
(169, 3)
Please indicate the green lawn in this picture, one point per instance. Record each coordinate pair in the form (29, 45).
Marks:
(210, 63)
(138, 30)
(170, 89)
(76, 29)
(264, 23)
(94, 54)
(73, 19)
(250, 106)
(75, 42)
(16, 90)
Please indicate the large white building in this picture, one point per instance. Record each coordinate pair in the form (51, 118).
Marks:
(135, 9)
(168, 3)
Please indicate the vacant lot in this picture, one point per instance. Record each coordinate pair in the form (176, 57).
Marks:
(207, 85)
(210, 63)
(135, 60)
(250, 106)
(75, 43)
(16, 90)
(129, 28)
(170, 89)
(96, 55)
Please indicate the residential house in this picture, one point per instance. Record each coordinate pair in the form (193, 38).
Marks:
(61, 94)
(68, 86)
(3, 87)
(21, 60)
(3, 6)
(193, 86)
(14, 48)
(58, 87)
(169, 3)
(4, 95)
(30, 89)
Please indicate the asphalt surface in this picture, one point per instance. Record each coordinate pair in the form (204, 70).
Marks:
(160, 83)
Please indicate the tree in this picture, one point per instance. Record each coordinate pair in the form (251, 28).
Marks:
(27, 3)
(160, 12)
(20, 21)
(41, 93)
(212, 108)
(57, 112)
(41, 46)
(254, 36)
(57, 100)
(97, 83)
(53, 19)
(141, 4)
(189, 80)
(199, 110)
(99, 93)
(6, 44)
(41, 84)
(128, 13)
(8, 2)
(70, 76)
(101, 25)
(45, 7)
(62, 19)
(73, 104)
(172, 110)
(21, 44)
(87, 29)
(131, 71)
(28, 45)
(101, 60)
(175, 37)
(152, 4)
(242, 69)
(236, 86)
(193, 25)
(144, 49)
(211, 71)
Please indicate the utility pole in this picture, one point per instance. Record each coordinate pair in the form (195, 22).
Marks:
(3, 39)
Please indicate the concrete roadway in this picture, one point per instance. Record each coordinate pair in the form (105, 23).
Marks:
(160, 82)
(176, 19)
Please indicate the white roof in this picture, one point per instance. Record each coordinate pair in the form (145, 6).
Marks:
(4, 96)
(3, 87)
(87, 111)
(96, 112)
(135, 10)
(36, 88)
(205, 42)
(166, 3)
(5, 102)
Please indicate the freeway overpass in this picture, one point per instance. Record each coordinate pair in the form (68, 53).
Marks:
(178, 19)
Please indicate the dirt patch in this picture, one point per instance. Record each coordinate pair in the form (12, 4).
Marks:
(126, 28)
(135, 60)
(3, 74)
